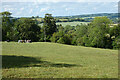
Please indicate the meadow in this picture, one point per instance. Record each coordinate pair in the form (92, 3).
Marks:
(69, 23)
(52, 60)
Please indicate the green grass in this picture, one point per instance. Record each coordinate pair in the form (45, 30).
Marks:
(52, 60)
(69, 23)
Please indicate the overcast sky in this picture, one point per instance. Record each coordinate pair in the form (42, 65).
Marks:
(59, 0)
(58, 8)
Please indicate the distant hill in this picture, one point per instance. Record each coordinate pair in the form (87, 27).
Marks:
(80, 18)
(110, 15)
(89, 17)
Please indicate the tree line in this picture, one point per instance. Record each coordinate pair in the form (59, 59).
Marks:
(41, 20)
(99, 33)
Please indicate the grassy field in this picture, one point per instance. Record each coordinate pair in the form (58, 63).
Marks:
(52, 60)
(70, 23)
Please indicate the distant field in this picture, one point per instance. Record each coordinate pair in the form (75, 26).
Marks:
(70, 23)
(52, 60)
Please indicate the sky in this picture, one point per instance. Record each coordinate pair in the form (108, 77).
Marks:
(58, 8)
(59, 0)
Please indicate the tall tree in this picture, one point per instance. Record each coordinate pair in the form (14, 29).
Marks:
(49, 26)
(7, 25)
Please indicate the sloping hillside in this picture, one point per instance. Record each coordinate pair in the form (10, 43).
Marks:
(52, 60)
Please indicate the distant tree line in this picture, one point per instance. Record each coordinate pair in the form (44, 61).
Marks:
(70, 20)
(100, 33)
(41, 20)
(90, 17)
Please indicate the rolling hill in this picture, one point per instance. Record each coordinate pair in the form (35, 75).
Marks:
(52, 60)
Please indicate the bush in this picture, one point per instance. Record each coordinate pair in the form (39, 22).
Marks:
(116, 43)
(54, 37)
(73, 41)
(64, 39)
(61, 40)
(80, 42)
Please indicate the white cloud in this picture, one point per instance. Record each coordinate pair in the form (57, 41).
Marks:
(60, 0)
(116, 5)
(37, 6)
(67, 9)
(44, 9)
(6, 6)
(8, 9)
(64, 6)
(18, 13)
(53, 11)
(31, 10)
(21, 9)
(94, 8)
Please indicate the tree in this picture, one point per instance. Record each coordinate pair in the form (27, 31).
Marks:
(49, 26)
(27, 29)
(33, 17)
(6, 14)
(37, 16)
(116, 43)
(7, 26)
(97, 32)
(57, 35)
(115, 36)
(64, 39)
(81, 30)
(115, 30)
(68, 28)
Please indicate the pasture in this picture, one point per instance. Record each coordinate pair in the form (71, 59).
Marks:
(69, 23)
(52, 60)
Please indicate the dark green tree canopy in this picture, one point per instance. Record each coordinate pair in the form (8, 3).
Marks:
(49, 26)
(27, 29)
(6, 14)
(7, 25)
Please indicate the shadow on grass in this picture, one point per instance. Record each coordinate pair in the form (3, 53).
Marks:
(22, 61)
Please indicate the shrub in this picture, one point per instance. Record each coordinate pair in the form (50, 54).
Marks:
(116, 43)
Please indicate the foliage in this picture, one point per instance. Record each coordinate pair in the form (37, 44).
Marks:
(27, 29)
(60, 36)
(100, 32)
(97, 31)
(7, 26)
(116, 43)
(49, 26)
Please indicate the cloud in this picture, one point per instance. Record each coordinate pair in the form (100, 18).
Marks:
(94, 8)
(116, 5)
(18, 13)
(53, 11)
(60, 0)
(64, 6)
(8, 9)
(6, 6)
(67, 9)
(21, 9)
(31, 10)
(44, 9)
(37, 6)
